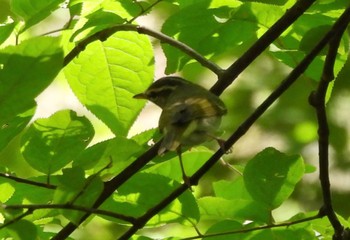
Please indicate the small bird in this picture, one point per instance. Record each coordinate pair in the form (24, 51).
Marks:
(190, 114)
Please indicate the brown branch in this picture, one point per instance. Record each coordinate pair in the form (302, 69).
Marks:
(32, 207)
(278, 225)
(184, 48)
(106, 33)
(244, 127)
(26, 181)
(318, 101)
(16, 219)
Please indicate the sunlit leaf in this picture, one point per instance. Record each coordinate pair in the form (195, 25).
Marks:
(106, 75)
(33, 12)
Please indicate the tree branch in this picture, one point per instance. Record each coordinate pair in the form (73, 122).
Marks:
(318, 101)
(32, 207)
(106, 33)
(283, 224)
(144, 11)
(26, 181)
(16, 219)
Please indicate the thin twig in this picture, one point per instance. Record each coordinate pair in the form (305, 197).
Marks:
(26, 181)
(106, 33)
(283, 224)
(16, 219)
(318, 101)
(184, 48)
(33, 207)
(143, 11)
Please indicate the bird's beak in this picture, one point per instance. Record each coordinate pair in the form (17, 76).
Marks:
(140, 96)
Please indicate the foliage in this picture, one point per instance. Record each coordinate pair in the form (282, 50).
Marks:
(54, 177)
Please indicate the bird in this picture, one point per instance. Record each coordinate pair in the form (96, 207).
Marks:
(190, 114)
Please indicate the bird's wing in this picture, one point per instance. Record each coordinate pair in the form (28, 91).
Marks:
(205, 107)
(173, 122)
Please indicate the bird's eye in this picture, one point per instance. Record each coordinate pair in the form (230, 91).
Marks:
(152, 96)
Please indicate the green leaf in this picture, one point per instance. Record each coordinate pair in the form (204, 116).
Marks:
(22, 229)
(113, 155)
(292, 58)
(136, 8)
(308, 41)
(106, 75)
(51, 143)
(99, 15)
(27, 192)
(244, 206)
(33, 12)
(231, 189)
(136, 237)
(9, 128)
(330, 8)
(216, 208)
(40, 60)
(98, 21)
(272, 2)
(144, 137)
(7, 191)
(321, 225)
(73, 179)
(284, 233)
(226, 226)
(145, 190)
(75, 7)
(270, 177)
(216, 31)
(304, 35)
(170, 164)
(228, 229)
(6, 30)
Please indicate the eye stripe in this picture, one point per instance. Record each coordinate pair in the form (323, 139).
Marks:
(161, 90)
(165, 88)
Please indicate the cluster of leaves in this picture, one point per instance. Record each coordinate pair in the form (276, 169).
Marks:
(71, 175)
